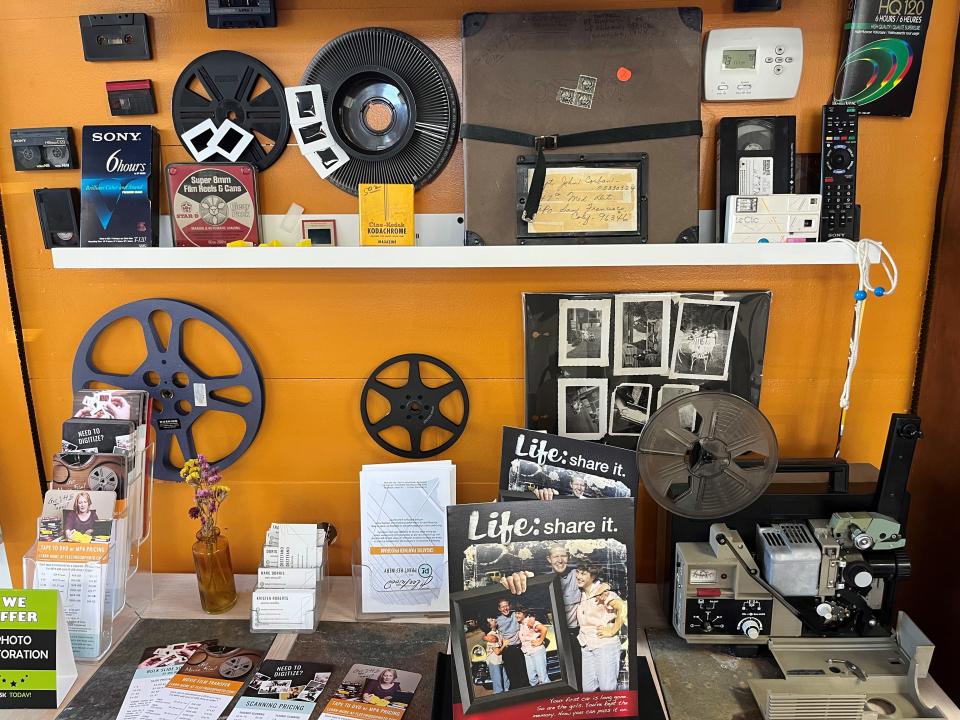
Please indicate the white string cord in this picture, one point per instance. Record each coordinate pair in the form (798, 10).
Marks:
(863, 250)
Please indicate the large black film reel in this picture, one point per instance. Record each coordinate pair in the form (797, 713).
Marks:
(174, 380)
(706, 455)
(225, 84)
(390, 104)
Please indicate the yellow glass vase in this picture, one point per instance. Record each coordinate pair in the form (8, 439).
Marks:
(211, 560)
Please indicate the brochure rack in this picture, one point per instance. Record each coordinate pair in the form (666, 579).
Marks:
(357, 569)
(98, 577)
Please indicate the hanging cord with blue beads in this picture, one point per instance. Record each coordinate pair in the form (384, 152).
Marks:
(863, 249)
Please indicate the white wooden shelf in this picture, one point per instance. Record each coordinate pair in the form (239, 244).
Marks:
(454, 256)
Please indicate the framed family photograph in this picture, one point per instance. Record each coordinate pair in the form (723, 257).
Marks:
(542, 622)
(584, 333)
(641, 334)
(582, 407)
(704, 338)
(495, 636)
(630, 407)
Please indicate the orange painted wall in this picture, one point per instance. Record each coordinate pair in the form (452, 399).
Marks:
(317, 334)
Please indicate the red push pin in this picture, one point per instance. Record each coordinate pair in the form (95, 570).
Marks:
(624, 74)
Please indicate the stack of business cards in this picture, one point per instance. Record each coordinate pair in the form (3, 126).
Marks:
(289, 580)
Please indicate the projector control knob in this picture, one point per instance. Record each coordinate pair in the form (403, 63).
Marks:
(751, 627)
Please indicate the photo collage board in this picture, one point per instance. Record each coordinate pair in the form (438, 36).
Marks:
(598, 365)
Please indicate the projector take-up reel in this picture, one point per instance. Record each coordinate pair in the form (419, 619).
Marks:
(707, 455)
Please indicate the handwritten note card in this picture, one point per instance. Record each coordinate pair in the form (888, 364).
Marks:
(587, 200)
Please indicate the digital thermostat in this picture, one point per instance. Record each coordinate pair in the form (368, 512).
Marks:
(752, 63)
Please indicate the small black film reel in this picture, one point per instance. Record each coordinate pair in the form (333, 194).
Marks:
(415, 404)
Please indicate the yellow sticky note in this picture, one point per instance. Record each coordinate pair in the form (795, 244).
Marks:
(386, 214)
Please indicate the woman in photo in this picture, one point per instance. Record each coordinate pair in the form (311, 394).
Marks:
(495, 646)
(384, 687)
(81, 518)
(601, 614)
(532, 636)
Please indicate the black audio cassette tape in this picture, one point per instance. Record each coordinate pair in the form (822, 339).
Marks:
(232, 14)
(755, 156)
(43, 148)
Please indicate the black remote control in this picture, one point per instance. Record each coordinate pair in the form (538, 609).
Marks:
(838, 173)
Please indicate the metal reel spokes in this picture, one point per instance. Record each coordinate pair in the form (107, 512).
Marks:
(706, 455)
(203, 380)
(419, 394)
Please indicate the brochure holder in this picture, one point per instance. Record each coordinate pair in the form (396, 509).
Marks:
(84, 575)
(97, 580)
(357, 568)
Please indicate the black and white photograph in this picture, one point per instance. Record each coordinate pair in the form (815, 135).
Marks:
(630, 408)
(546, 482)
(704, 336)
(641, 334)
(584, 333)
(582, 407)
(541, 466)
(671, 391)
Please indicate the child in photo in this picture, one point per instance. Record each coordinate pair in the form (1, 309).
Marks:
(532, 636)
(495, 647)
(601, 614)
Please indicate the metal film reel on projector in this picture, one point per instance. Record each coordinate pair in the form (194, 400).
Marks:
(171, 379)
(706, 455)
(390, 104)
(219, 86)
(414, 406)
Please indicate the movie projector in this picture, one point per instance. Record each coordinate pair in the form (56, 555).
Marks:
(805, 569)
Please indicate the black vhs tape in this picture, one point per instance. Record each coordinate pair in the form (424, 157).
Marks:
(755, 156)
(119, 185)
(43, 148)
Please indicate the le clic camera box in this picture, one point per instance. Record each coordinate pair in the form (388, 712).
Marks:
(119, 186)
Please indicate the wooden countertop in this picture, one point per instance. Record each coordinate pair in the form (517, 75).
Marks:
(174, 596)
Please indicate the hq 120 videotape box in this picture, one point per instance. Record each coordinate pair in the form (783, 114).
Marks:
(119, 186)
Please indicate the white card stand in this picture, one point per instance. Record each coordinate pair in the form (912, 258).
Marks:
(304, 598)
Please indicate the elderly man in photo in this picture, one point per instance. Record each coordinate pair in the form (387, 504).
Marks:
(578, 488)
(514, 664)
(559, 560)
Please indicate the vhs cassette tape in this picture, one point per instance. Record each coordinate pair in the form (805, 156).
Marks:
(119, 185)
(772, 218)
(43, 148)
(755, 156)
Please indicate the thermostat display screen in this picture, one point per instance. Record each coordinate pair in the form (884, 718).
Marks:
(739, 59)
